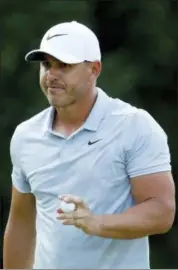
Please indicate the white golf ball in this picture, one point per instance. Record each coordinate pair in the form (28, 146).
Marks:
(67, 207)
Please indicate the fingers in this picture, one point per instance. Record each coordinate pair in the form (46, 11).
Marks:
(76, 218)
(68, 198)
(59, 211)
(79, 223)
(72, 215)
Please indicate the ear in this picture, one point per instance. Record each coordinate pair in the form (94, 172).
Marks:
(96, 68)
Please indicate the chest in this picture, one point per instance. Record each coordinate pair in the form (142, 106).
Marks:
(91, 166)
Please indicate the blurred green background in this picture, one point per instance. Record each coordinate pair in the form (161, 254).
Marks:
(140, 54)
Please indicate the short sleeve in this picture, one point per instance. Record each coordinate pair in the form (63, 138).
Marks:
(147, 150)
(18, 176)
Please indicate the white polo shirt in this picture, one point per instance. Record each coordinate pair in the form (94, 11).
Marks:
(116, 142)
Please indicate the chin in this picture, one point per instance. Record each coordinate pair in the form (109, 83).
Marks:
(56, 104)
(60, 103)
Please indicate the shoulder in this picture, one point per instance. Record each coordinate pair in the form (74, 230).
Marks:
(136, 122)
(119, 107)
(35, 122)
(143, 123)
(135, 117)
(32, 125)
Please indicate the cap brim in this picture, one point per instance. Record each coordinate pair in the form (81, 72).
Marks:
(38, 55)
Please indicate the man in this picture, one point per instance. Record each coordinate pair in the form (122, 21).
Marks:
(107, 157)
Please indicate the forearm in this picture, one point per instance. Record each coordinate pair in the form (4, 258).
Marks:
(147, 218)
(19, 247)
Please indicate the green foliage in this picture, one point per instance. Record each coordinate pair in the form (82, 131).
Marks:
(139, 44)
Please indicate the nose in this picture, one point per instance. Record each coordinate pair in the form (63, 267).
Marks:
(52, 74)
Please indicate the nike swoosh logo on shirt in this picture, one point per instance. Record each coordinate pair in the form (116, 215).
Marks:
(92, 142)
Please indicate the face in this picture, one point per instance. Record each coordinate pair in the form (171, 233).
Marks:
(65, 84)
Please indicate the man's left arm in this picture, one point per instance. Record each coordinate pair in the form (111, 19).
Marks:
(152, 185)
(153, 213)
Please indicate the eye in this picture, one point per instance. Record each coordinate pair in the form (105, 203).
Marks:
(63, 65)
(46, 64)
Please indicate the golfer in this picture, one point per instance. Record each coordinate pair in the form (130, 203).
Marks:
(109, 158)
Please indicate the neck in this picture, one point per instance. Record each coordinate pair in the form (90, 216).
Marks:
(78, 112)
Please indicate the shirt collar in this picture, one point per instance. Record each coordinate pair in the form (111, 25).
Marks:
(93, 120)
(98, 111)
(49, 120)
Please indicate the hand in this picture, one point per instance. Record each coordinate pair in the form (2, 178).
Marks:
(81, 218)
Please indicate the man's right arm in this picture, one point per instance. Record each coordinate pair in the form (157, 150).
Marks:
(20, 233)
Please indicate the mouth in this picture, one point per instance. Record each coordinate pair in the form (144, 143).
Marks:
(54, 89)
